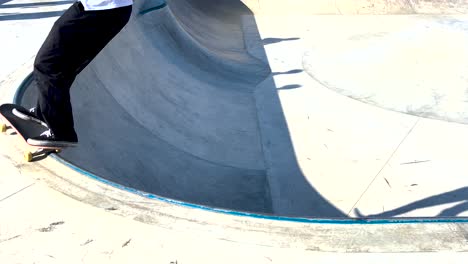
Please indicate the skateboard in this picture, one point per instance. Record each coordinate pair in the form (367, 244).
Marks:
(25, 129)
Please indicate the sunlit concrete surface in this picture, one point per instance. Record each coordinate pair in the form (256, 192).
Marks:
(304, 110)
(257, 110)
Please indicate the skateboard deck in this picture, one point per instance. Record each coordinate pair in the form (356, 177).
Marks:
(25, 129)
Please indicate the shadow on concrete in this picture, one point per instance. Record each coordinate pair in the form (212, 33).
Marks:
(288, 72)
(268, 41)
(290, 87)
(18, 16)
(32, 5)
(35, 15)
(177, 106)
(459, 195)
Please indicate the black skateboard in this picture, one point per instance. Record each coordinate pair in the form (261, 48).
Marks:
(25, 129)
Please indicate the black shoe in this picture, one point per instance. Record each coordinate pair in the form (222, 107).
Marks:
(47, 139)
(30, 115)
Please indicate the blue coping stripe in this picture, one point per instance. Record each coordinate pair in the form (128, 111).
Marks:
(22, 88)
(148, 10)
(336, 221)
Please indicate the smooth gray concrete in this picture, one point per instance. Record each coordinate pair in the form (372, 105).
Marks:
(194, 102)
(419, 69)
(85, 221)
(174, 113)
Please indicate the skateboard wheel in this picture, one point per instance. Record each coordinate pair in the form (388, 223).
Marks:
(3, 128)
(58, 150)
(28, 156)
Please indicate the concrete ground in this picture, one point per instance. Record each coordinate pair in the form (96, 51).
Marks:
(348, 148)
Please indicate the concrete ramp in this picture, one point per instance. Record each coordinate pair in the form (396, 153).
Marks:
(192, 101)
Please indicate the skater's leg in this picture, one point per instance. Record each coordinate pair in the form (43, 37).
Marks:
(75, 39)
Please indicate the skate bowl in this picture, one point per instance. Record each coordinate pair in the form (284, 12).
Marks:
(230, 104)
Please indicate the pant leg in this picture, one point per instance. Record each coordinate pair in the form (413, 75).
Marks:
(74, 40)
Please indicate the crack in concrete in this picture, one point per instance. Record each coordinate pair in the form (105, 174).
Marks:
(8, 239)
(13, 194)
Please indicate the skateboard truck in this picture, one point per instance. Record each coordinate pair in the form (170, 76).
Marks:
(25, 129)
(29, 156)
(4, 128)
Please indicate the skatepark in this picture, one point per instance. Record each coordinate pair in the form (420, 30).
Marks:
(304, 128)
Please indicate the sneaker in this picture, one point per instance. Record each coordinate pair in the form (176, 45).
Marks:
(47, 139)
(30, 115)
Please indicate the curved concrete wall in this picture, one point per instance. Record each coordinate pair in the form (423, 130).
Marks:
(182, 104)
(168, 108)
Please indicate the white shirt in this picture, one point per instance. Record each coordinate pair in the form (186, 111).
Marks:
(104, 4)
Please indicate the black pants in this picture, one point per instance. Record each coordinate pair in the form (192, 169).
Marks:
(75, 39)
